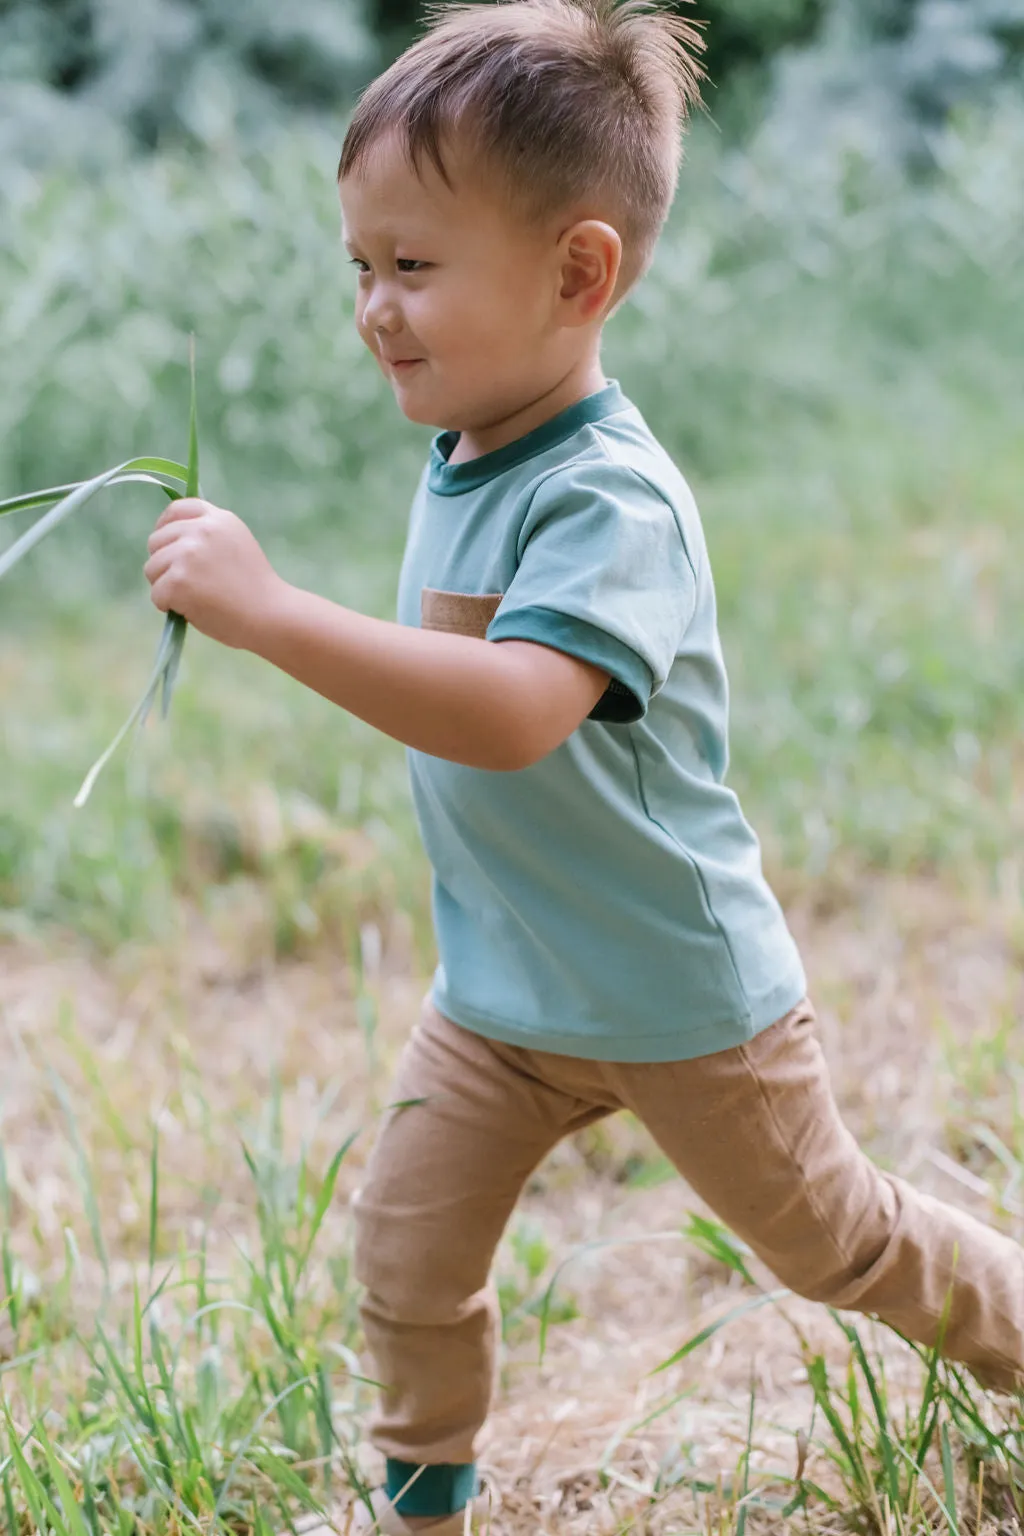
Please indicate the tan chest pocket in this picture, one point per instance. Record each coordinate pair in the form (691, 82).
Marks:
(458, 613)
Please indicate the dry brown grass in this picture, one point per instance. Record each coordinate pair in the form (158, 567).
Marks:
(908, 977)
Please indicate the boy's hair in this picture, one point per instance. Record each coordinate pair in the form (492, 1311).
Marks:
(570, 102)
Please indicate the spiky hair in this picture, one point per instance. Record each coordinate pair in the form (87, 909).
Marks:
(574, 104)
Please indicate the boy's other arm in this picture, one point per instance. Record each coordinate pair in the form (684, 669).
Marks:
(487, 704)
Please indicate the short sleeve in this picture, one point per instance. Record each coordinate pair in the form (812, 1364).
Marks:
(603, 575)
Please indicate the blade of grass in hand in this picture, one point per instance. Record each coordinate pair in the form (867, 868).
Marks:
(131, 469)
(65, 499)
(75, 498)
(153, 466)
(177, 623)
(168, 656)
(141, 708)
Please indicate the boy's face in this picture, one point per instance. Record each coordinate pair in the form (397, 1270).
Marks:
(457, 299)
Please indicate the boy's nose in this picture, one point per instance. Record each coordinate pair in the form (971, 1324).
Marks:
(381, 314)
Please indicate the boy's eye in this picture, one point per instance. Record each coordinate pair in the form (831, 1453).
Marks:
(404, 264)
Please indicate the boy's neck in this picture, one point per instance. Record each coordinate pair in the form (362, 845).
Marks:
(586, 378)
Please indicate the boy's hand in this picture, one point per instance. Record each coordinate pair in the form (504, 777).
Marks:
(206, 565)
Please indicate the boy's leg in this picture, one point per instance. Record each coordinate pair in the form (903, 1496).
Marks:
(756, 1132)
(442, 1180)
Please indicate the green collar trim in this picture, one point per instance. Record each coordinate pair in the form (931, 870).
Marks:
(452, 479)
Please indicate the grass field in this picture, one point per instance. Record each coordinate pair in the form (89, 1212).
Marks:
(206, 975)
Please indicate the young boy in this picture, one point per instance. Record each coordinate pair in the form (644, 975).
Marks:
(605, 933)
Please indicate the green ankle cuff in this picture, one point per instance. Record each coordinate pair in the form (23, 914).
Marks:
(439, 1490)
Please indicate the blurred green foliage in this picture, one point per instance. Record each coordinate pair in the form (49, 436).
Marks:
(830, 350)
(829, 344)
(87, 79)
(882, 76)
(102, 283)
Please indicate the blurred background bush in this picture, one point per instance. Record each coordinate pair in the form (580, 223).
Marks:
(830, 343)
(168, 166)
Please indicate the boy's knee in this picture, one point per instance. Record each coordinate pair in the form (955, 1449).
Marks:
(394, 1305)
(826, 1286)
(409, 1267)
(833, 1254)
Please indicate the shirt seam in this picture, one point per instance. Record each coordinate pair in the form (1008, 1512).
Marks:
(599, 443)
(694, 865)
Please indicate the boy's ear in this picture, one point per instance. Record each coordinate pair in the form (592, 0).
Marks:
(591, 255)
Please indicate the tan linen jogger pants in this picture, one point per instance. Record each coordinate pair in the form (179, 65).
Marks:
(754, 1131)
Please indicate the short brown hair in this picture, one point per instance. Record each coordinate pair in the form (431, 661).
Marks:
(567, 99)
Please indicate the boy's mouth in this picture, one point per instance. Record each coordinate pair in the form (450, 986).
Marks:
(403, 364)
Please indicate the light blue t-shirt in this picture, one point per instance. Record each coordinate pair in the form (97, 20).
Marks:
(607, 901)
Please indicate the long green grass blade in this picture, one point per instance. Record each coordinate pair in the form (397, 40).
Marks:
(766, 1299)
(949, 1481)
(178, 624)
(817, 1376)
(64, 508)
(287, 1480)
(947, 1505)
(71, 1507)
(12, 1519)
(142, 471)
(741, 1522)
(718, 1243)
(323, 1201)
(192, 474)
(928, 1416)
(85, 1179)
(885, 1443)
(186, 1440)
(37, 498)
(43, 1510)
(67, 499)
(8, 1292)
(140, 711)
(242, 1451)
(151, 465)
(178, 629)
(154, 1197)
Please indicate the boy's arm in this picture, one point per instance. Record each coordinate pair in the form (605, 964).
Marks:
(487, 704)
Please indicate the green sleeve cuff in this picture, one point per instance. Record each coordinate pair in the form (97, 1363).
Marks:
(629, 690)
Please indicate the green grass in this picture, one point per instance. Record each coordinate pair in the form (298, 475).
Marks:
(891, 1464)
(192, 1399)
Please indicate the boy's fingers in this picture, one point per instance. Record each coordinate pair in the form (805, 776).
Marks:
(186, 506)
(172, 533)
(161, 537)
(155, 567)
(158, 599)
